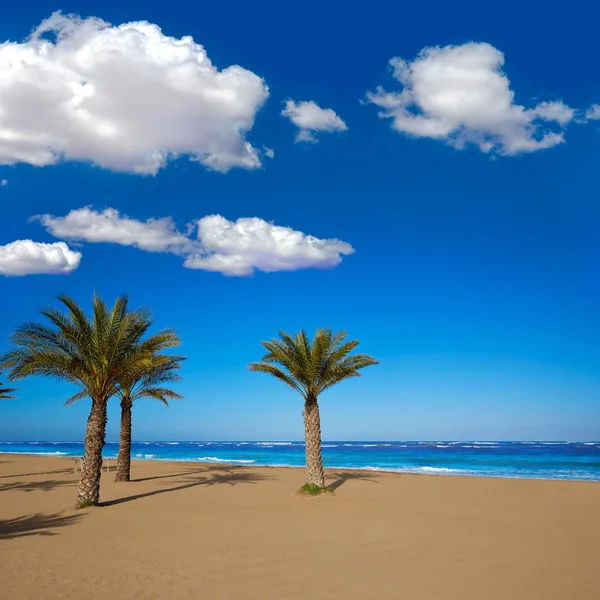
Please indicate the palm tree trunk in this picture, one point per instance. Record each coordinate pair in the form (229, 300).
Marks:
(312, 438)
(124, 459)
(89, 484)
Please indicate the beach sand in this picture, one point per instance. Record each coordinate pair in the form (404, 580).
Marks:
(183, 530)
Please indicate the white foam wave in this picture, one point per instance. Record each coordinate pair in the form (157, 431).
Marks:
(57, 453)
(328, 445)
(437, 470)
(274, 443)
(223, 460)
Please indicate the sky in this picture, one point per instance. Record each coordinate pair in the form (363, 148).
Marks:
(424, 177)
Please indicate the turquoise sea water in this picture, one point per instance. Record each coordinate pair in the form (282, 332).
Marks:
(529, 460)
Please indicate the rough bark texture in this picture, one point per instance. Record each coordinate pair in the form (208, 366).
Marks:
(312, 437)
(89, 484)
(124, 459)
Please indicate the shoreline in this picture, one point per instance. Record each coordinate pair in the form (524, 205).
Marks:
(367, 469)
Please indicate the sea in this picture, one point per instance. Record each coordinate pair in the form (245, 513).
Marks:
(521, 460)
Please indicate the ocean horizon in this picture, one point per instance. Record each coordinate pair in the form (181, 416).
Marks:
(566, 460)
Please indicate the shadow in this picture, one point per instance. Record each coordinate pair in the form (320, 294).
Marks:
(202, 468)
(229, 477)
(343, 476)
(161, 477)
(35, 525)
(32, 486)
(39, 473)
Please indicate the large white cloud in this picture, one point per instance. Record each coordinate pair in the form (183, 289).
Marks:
(246, 245)
(310, 118)
(232, 248)
(26, 257)
(123, 97)
(460, 94)
(153, 235)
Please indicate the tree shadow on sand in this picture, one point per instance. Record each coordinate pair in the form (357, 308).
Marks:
(37, 524)
(229, 477)
(203, 468)
(342, 476)
(33, 486)
(38, 473)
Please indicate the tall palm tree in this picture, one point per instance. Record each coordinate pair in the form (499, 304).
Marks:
(311, 367)
(146, 381)
(144, 371)
(5, 393)
(91, 353)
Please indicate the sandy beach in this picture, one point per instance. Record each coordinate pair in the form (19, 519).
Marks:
(183, 530)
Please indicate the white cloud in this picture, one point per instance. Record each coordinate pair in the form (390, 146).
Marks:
(460, 94)
(241, 247)
(25, 257)
(555, 111)
(231, 248)
(86, 224)
(4, 183)
(310, 118)
(124, 97)
(593, 113)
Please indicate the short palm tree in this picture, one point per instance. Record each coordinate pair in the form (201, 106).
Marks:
(5, 393)
(91, 353)
(146, 381)
(310, 367)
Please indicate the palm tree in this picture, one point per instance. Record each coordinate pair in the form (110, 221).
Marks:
(146, 381)
(89, 353)
(144, 371)
(5, 393)
(311, 367)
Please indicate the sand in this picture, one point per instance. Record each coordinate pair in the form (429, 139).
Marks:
(184, 530)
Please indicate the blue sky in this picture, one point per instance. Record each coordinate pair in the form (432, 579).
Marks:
(475, 277)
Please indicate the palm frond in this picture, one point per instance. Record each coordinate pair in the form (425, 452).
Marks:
(161, 394)
(312, 366)
(278, 373)
(78, 396)
(5, 393)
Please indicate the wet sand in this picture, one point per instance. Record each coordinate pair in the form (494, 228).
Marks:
(183, 530)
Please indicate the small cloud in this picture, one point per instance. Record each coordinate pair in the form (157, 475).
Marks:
(310, 118)
(26, 257)
(593, 113)
(269, 152)
(4, 183)
(239, 248)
